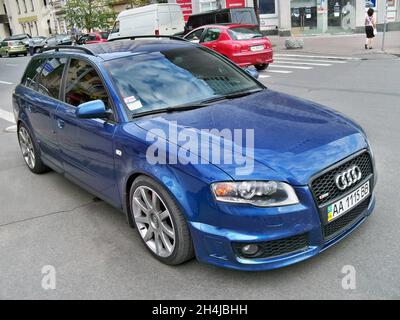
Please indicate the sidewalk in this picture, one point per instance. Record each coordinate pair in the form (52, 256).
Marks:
(347, 45)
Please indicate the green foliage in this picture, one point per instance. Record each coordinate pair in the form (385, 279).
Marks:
(89, 14)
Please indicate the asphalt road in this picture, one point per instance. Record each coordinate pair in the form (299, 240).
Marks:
(46, 220)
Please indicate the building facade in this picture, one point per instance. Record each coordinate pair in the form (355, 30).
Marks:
(302, 17)
(35, 17)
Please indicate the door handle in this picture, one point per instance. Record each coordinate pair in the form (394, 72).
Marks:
(60, 123)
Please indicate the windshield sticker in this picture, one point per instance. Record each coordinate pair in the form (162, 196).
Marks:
(133, 103)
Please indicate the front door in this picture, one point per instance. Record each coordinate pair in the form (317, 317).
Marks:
(87, 144)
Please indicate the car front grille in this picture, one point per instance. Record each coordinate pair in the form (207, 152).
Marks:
(325, 185)
(336, 226)
(275, 248)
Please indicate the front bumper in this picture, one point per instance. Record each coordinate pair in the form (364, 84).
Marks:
(215, 245)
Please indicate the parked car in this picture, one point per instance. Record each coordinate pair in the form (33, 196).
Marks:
(11, 48)
(243, 44)
(155, 19)
(145, 124)
(244, 15)
(37, 42)
(24, 37)
(94, 37)
(57, 40)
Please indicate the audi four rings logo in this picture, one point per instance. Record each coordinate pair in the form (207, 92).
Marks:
(348, 178)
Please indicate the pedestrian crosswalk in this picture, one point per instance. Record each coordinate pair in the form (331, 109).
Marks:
(287, 63)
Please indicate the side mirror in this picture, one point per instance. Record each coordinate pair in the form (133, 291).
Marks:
(252, 71)
(92, 110)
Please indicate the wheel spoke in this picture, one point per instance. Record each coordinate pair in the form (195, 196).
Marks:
(158, 243)
(142, 219)
(167, 244)
(145, 199)
(141, 205)
(167, 230)
(148, 235)
(164, 215)
(155, 203)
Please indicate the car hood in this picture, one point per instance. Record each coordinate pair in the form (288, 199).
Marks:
(293, 138)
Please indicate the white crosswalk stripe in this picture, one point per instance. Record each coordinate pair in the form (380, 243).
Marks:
(309, 60)
(314, 56)
(305, 63)
(286, 63)
(290, 67)
(279, 71)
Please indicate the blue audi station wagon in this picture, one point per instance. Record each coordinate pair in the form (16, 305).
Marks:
(202, 158)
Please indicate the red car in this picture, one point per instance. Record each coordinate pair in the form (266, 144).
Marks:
(93, 37)
(241, 43)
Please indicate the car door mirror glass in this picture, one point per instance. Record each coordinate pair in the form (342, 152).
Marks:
(92, 110)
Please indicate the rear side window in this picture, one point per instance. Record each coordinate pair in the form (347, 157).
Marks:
(243, 16)
(104, 35)
(31, 73)
(212, 34)
(49, 79)
(83, 84)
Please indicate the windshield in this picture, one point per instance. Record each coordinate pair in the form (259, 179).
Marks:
(175, 77)
(244, 33)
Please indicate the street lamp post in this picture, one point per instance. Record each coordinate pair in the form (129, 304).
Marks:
(384, 26)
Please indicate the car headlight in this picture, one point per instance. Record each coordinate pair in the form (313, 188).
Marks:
(257, 193)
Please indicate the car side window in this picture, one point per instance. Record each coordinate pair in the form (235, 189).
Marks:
(49, 79)
(32, 71)
(212, 34)
(83, 84)
(195, 36)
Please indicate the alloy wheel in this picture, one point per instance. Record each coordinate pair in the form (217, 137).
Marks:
(27, 149)
(153, 221)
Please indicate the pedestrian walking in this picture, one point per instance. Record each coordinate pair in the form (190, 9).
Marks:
(30, 46)
(370, 28)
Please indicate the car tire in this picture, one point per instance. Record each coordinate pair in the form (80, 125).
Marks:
(261, 66)
(36, 50)
(160, 222)
(25, 54)
(30, 151)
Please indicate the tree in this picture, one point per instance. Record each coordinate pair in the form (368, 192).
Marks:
(89, 14)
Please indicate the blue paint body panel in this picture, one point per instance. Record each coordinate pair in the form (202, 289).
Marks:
(294, 140)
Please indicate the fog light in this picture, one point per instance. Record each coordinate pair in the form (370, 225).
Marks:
(250, 249)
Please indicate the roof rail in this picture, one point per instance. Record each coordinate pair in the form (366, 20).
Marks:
(57, 48)
(148, 36)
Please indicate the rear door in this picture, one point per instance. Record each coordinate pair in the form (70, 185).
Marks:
(41, 99)
(86, 144)
(210, 38)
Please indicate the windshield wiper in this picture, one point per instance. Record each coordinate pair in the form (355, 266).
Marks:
(170, 109)
(191, 106)
(241, 93)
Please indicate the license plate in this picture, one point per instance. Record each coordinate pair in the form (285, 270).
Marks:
(345, 204)
(256, 48)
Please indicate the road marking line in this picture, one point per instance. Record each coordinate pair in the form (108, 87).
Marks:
(11, 64)
(310, 60)
(5, 82)
(8, 116)
(264, 76)
(305, 63)
(280, 71)
(291, 67)
(309, 56)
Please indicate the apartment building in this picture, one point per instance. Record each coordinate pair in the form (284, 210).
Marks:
(35, 17)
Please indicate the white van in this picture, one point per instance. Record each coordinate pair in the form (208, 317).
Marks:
(155, 19)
